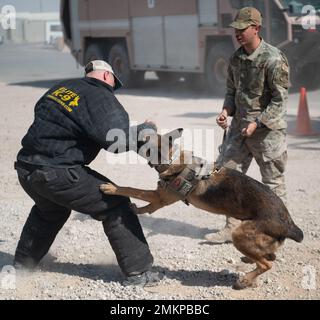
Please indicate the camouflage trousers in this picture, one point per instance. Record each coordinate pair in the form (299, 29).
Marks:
(267, 147)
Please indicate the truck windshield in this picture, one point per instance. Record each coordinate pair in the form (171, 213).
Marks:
(297, 5)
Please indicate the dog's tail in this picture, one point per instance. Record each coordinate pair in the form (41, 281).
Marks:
(295, 233)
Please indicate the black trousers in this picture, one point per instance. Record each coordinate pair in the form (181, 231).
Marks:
(57, 191)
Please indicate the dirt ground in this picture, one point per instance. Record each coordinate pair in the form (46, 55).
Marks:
(81, 264)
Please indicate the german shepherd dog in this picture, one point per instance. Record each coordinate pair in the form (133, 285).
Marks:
(266, 222)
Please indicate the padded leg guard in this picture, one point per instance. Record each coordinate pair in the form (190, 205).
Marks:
(126, 237)
(36, 238)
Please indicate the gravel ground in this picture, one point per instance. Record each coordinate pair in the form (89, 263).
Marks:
(81, 264)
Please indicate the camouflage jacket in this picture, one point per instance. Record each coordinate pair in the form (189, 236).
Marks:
(257, 87)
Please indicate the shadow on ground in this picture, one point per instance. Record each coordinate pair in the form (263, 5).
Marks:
(106, 273)
(45, 84)
(149, 88)
(202, 278)
(308, 142)
(172, 227)
(5, 259)
(164, 226)
(112, 273)
(153, 88)
(198, 115)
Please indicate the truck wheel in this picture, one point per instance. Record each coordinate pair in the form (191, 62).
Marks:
(216, 68)
(119, 60)
(93, 52)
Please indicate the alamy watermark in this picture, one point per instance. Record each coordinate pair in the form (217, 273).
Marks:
(309, 19)
(8, 278)
(309, 279)
(8, 17)
(160, 147)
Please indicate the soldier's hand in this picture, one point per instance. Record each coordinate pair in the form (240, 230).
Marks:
(222, 119)
(249, 130)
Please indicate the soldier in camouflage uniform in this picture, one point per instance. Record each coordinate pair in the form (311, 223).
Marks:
(257, 92)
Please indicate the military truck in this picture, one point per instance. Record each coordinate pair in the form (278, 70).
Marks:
(189, 38)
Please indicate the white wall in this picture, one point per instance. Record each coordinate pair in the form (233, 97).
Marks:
(32, 5)
(31, 19)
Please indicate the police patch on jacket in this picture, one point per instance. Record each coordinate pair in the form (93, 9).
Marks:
(65, 97)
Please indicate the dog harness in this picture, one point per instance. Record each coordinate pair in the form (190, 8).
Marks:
(188, 179)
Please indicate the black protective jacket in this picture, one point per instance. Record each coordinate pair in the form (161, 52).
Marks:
(71, 123)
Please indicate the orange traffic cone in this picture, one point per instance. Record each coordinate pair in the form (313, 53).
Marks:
(303, 124)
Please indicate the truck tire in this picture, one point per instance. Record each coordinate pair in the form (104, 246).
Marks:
(119, 60)
(216, 67)
(94, 52)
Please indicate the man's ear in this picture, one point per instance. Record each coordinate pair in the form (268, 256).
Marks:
(105, 75)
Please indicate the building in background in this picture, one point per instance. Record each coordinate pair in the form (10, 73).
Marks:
(37, 21)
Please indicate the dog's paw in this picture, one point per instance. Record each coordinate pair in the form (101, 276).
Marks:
(108, 188)
(243, 283)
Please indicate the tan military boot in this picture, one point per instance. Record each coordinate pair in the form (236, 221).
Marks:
(224, 235)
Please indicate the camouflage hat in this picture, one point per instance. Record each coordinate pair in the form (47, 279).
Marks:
(104, 66)
(246, 17)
